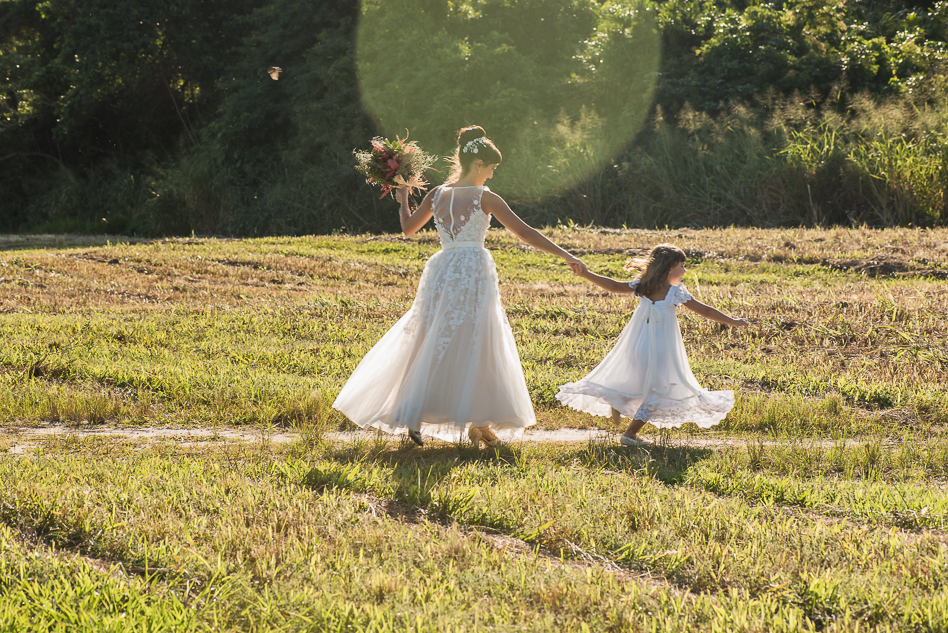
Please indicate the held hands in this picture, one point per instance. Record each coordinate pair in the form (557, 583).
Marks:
(577, 266)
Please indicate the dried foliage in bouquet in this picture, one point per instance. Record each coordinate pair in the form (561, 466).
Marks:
(394, 165)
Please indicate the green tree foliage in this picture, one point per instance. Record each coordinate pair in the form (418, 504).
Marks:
(289, 142)
(158, 115)
(564, 83)
(807, 46)
(104, 86)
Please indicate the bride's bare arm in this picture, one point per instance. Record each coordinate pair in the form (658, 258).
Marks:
(495, 205)
(412, 222)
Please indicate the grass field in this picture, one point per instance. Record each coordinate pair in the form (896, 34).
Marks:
(818, 504)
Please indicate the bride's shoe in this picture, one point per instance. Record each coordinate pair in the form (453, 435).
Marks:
(479, 435)
(490, 442)
(483, 434)
(415, 437)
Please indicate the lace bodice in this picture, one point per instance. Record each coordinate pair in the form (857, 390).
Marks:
(458, 215)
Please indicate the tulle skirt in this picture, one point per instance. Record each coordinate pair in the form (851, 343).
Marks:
(646, 376)
(449, 364)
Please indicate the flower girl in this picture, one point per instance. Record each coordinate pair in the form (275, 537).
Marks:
(646, 376)
(450, 366)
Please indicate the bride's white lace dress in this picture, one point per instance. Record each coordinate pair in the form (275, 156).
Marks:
(646, 375)
(450, 363)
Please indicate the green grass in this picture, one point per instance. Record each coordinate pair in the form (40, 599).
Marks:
(817, 504)
(381, 537)
(265, 332)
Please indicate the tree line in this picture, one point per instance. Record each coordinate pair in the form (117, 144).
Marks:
(157, 117)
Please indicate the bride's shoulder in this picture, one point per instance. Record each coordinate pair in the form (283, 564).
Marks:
(491, 203)
(489, 200)
(487, 194)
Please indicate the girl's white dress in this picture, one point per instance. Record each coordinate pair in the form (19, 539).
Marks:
(450, 363)
(646, 375)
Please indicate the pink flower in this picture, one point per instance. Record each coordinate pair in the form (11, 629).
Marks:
(393, 164)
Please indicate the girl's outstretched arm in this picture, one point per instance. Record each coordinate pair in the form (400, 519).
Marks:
(714, 314)
(607, 283)
(412, 222)
(495, 206)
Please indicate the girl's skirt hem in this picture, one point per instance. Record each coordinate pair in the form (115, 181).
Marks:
(704, 409)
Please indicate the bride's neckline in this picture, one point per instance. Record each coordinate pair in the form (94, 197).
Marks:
(461, 186)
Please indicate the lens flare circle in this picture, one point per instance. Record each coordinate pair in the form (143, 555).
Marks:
(561, 86)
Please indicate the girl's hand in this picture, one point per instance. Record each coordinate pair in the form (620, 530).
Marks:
(576, 265)
(741, 323)
(401, 194)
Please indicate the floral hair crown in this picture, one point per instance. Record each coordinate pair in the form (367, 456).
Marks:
(471, 146)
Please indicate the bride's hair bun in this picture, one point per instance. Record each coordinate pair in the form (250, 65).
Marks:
(473, 145)
(468, 134)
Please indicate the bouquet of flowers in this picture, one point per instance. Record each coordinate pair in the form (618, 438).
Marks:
(394, 165)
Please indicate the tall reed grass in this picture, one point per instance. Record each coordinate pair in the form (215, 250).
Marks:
(784, 161)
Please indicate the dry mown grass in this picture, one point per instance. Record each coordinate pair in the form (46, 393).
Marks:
(778, 528)
(847, 323)
(213, 272)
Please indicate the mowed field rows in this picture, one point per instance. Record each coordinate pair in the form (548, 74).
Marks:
(823, 508)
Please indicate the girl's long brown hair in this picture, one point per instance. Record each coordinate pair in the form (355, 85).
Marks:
(654, 267)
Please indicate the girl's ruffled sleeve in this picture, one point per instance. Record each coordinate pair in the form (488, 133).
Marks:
(634, 283)
(682, 295)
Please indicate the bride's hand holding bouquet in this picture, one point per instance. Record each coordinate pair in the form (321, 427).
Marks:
(394, 165)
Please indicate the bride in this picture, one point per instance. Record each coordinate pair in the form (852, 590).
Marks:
(450, 366)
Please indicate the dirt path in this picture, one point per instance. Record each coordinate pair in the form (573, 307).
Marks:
(23, 439)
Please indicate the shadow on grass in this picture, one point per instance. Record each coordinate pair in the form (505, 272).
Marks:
(407, 479)
(413, 485)
(664, 461)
